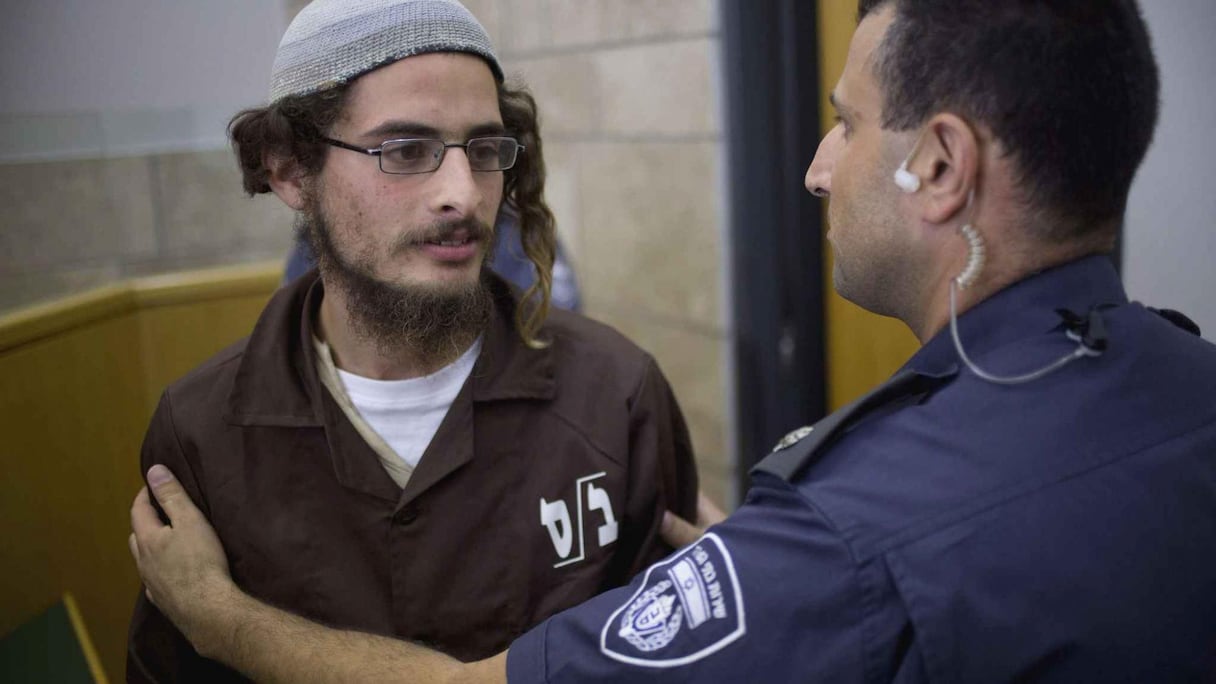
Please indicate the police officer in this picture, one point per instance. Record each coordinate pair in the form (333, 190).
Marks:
(1032, 497)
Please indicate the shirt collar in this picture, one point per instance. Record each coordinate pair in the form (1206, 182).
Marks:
(507, 368)
(277, 381)
(1022, 310)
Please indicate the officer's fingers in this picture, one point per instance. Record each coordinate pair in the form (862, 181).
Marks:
(144, 520)
(133, 544)
(172, 498)
(708, 513)
(677, 531)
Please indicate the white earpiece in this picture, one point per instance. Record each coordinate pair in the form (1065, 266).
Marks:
(906, 180)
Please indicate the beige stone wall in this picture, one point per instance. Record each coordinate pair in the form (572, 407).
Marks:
(627, 91)
(67, 226)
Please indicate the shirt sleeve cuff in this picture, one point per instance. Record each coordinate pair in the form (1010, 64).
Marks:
(526, 656)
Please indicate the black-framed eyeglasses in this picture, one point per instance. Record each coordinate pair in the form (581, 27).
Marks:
(423, 155)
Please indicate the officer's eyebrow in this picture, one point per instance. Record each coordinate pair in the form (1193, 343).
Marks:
(414, 129)
(840, 107)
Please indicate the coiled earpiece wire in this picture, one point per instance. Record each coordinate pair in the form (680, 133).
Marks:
(975, 264)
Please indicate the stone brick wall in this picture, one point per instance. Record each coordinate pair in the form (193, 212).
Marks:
(72, 225)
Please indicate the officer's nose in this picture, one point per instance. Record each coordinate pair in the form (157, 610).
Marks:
(819, 175)
(457, 193)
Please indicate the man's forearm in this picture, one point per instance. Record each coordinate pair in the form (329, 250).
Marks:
(270, 645)
(186, 576)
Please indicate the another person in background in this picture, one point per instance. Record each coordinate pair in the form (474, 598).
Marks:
(405, 445)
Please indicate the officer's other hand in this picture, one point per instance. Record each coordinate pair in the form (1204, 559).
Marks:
(677, 531)
(183, 566)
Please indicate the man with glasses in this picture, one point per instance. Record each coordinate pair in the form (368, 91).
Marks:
(405, 445)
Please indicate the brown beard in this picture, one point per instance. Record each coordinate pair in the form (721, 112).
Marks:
(433, 325)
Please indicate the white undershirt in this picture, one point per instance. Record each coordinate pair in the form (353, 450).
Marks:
(407, 413)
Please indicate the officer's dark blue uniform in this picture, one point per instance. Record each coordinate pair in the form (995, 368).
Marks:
(951, 530)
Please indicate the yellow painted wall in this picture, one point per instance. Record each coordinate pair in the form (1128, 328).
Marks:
(863, 349)
(79, 379)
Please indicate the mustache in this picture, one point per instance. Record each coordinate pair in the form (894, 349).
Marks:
(468, 228)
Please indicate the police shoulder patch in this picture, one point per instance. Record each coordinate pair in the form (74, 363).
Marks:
(688, 607)
(793, 438)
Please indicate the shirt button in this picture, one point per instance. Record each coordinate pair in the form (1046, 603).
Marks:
(406, 515)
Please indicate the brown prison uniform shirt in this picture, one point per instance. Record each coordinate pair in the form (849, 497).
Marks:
(544, 486)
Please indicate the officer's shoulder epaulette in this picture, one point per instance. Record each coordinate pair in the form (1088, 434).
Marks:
(1179, 319)
(799, 448)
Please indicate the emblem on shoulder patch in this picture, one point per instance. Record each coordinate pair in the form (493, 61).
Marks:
(793, 438)
(688, 607)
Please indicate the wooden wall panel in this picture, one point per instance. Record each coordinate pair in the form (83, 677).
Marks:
(80, 378)
(70, 411)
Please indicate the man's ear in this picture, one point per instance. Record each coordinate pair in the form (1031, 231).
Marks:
(947, 164)
(286, 178)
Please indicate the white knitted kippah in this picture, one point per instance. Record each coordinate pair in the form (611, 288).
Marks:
(333, 41)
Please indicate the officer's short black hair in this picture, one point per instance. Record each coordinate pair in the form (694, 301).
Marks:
(1069, 87)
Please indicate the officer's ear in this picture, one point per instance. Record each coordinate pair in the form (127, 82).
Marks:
(287, 179)
(947, 164)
